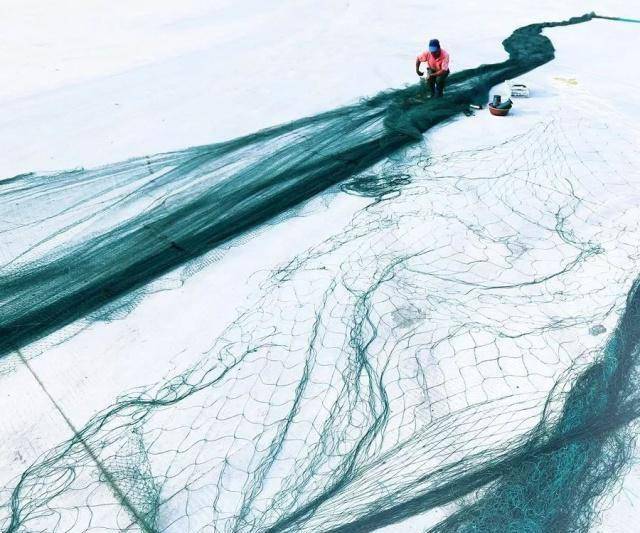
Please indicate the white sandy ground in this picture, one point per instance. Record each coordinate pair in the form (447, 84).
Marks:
(113, 85)
(83, 84)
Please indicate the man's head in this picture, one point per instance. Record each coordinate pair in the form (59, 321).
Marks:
(434, 47)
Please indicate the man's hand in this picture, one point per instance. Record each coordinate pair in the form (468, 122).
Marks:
(418, 72)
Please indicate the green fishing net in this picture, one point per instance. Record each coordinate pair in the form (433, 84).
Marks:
(440, 351)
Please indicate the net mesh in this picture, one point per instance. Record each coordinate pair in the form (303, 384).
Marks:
(442, 348)
(94, 235)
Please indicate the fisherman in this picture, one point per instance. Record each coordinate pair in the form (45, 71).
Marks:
(437, 60)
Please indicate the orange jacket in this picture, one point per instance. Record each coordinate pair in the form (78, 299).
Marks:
(436, 64)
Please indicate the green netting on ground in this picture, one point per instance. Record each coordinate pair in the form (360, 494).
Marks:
(435, 351)
(91, 236)
(443, 349)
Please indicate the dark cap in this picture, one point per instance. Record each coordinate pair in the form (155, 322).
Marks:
(434, 45)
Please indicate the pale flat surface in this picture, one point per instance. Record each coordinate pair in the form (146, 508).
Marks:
(116, 84)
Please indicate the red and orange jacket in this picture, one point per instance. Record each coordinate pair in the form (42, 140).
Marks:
(436, 64)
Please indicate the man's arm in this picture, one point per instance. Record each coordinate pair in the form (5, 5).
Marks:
(418, 62)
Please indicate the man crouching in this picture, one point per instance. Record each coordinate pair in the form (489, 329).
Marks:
(437, 60)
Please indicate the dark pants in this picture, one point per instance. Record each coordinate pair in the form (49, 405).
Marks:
(436, 85)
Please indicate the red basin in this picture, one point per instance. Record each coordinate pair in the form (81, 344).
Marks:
(498, 112)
